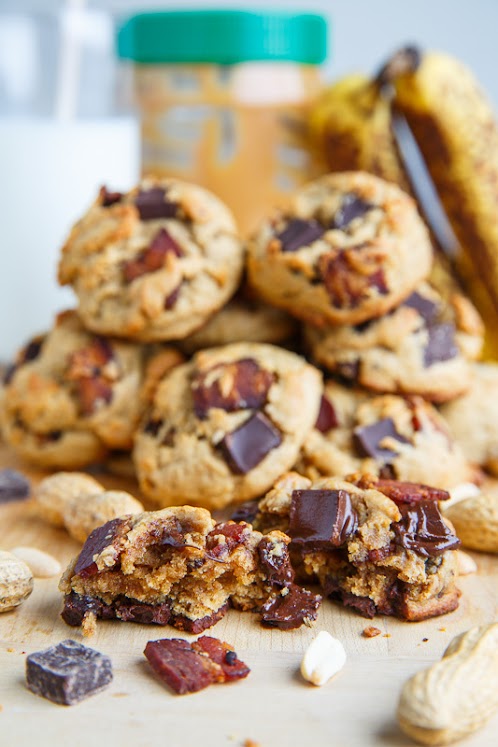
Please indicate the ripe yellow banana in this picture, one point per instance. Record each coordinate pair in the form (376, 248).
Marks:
(456, 131)
(351, 127)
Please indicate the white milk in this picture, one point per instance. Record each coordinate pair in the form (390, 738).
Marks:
(50, 174)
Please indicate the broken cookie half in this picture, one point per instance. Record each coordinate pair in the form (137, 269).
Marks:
(178, 566)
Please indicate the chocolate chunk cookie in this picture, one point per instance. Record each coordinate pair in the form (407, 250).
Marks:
(242, 320)
(422, 347)
(71, 396)
(379, 546)
(398, 437)
(473, 418)
(177, 566)
(224, 426)
(351, 247)
(152, 264)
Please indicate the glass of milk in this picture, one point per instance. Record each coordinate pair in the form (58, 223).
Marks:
(60, 140)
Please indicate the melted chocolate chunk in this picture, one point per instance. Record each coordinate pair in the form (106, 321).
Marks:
(364, 605)
(427, 309)
(241, 385)
(368, 439)
(152, 204)
(98, 540)
(352, 207)
(299, 233)
(321, 519)
(291, 608)
(275, 563)
(67, 673)
(327, 418)
(152, 258)
(423, 530)
(248, 445)
(109, 198)
(441, 345)
(14, 486)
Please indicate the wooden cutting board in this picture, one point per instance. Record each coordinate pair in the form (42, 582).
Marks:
(273, 707)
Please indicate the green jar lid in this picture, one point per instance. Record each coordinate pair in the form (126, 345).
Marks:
(223, 37)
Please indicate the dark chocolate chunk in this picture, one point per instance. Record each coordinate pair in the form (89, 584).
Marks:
(153, 426)
(351, 207)
(153, 204)
(290, 608)
(299, 233)
(423, 530)
(378, 280)
(98, 540)
(9, 374)
(32, 349)
(246, 511)
(348, 370)
(364, 605)
(321, 519)
(109, 198)
(240, 385)
(402, 492)
(246, 446)
(441, 345)
(368, 439)
(427, 309)
(276, 566)
(188, 668)
(14, 485)
(68, 673)
(152, 258)
(327, 418)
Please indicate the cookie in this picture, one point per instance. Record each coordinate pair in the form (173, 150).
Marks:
(473, 420)
(72, 396)
(152, 264)
(177, 566)
(422, 347)
(350, 247)
(380, 547)
(242, 320)
(224, 426)
(399, 437)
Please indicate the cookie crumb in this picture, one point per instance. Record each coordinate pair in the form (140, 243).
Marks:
(386, 635)
(442, 630)
(424, 640)
(370, 632)
(250, 743)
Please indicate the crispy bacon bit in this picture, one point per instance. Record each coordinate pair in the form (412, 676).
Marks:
(102, 537)
(87, 369)
(349, 275)
(327, 417)
(188, 668)
(109, 198)
(171, 300)
(402, 492)
(224, 538)
(152, 258)
(231, 386)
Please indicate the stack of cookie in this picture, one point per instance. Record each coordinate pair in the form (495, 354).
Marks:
(159, 272)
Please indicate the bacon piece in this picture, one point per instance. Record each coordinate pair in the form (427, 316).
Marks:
(240, 385)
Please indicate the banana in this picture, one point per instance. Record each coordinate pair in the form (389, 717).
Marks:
(350, 126)
(456, 131)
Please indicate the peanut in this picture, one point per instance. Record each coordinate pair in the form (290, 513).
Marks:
(55, 491)
(324, 657)
(476, 522)
(86, 512)
(458, 694)
(16, 581)
(41, 564)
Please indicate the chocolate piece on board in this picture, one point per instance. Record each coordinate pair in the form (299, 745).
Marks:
(68, 673)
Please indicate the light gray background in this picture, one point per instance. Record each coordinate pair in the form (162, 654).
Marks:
(364, 31)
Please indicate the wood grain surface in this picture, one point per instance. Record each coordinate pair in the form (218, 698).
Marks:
(273, 707)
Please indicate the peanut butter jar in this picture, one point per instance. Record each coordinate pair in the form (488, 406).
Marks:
(222, 97)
